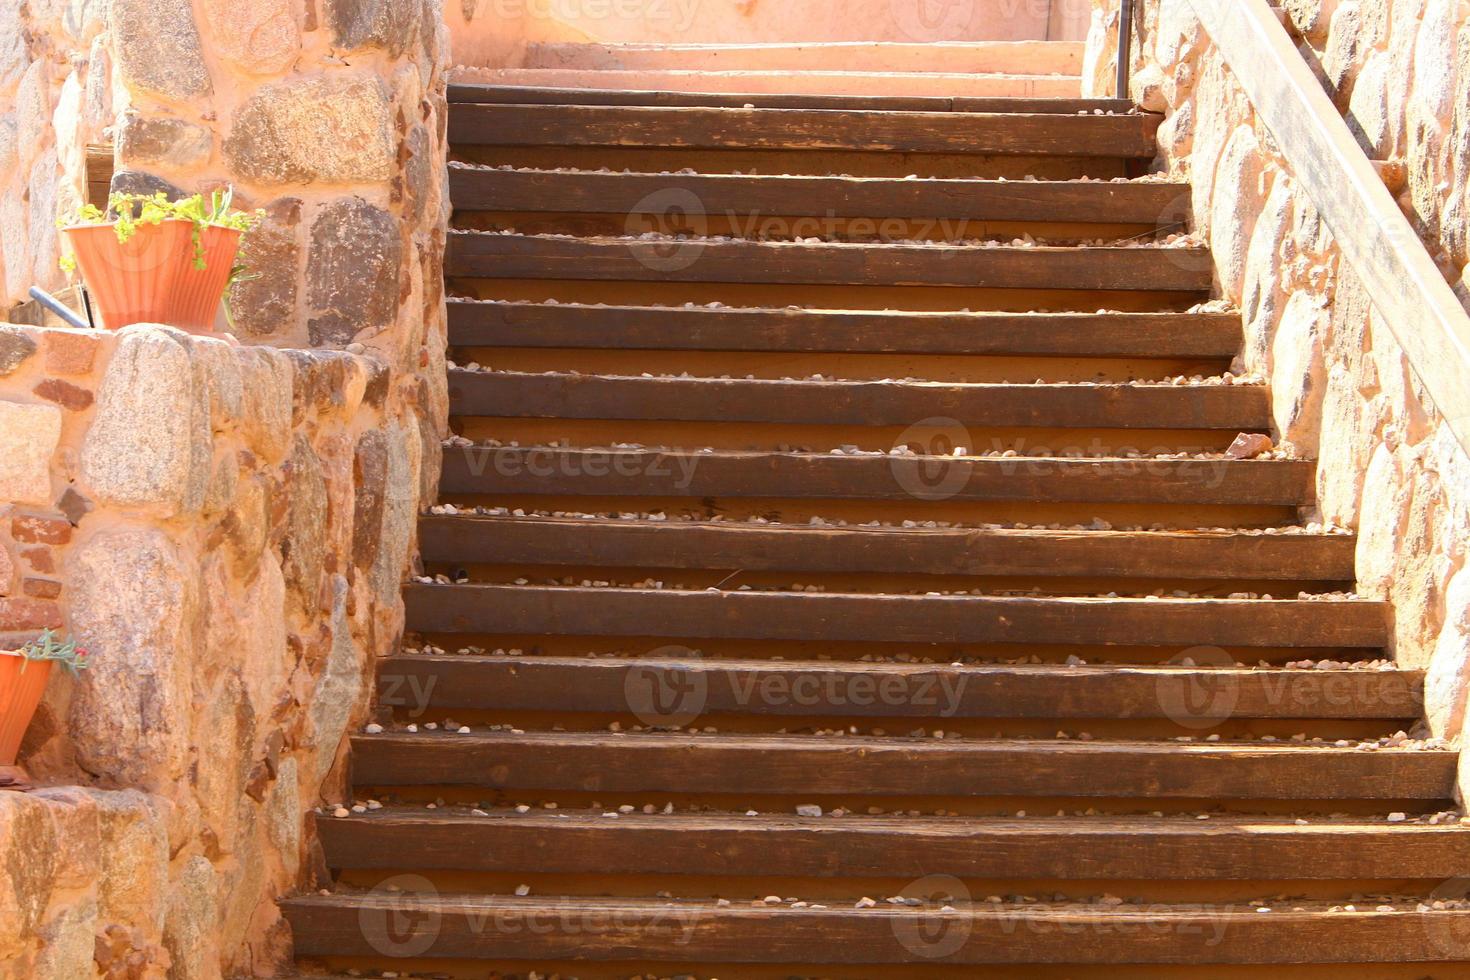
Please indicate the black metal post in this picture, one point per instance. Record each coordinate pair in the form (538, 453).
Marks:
(1125, 48)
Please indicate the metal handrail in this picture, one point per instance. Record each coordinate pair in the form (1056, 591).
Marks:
(1125, 47)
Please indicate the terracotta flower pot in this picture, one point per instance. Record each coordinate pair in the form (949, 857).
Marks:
(132, 281)
(198, 292)
(22, 682)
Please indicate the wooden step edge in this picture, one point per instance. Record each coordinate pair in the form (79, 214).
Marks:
(512, 609)
(473, 93)
(825, 689)
(493, 255)
(1078, 135)
(701, 196)
(812, 767)
(1204, 555)
(1123, 405)
(971, 933)
(1223, 848)
(498, 323)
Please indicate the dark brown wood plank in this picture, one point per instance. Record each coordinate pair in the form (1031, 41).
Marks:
(1070, 135)
(1037, 848)
(521, 610)
(509, 256)
(659, 930)
(828, 689)
(490, 189)
(508, 394)
(932, 551)
(811, 766)
(610, 472)
(570, 325)
(471, 94)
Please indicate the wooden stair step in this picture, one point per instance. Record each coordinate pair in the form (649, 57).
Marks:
(1128, 136)
(495, 255)
(1075, 201)
(931, 551)
(660, 930)
(650, 472)
(811, 766)
(509, 394)
(821, 689)
(512, 609)
(1050, 57)
(496, 323)
(1222, 848)
(1047, 94)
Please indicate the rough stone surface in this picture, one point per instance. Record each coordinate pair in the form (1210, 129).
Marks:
(193, 913)
(139, 450)
(328, 127)
(70, 351)
(145, 140)
(306, 528)
(133, 595)
(352, 271)
(157, 48)
(16, 347)
(29, 435)
(341, 685)
(260, 37)
(65, 394)
(372, 23)
(266, 303)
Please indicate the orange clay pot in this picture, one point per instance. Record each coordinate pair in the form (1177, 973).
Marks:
(22, 682)
(198, 292)
(132, 281)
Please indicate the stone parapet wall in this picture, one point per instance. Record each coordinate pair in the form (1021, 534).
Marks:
(1344, 391)
(226, 528)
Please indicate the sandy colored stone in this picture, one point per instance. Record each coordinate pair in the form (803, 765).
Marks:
(353, 271)
(1299, 373)
(29, 435)
(266, 379)
(190, 932)
(1448, 680)
(266, 303)
(133, 594)
(7, 572)
(145, 140)
(17, 345)
(400, 511)
(260, 37)
(70, 351)
(333, 127)
(139, 450)
(13, 58)
(302, 550)
(340, 687)
(67, 943)
(1237, 202)
(156, 44)
(390, 24)
(28, 856)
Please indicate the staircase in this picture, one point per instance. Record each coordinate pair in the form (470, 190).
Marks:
(842, 570)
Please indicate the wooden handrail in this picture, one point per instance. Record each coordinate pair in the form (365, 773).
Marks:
(1405, 285)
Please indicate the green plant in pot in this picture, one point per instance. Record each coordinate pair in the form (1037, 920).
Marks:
(147, 259)
(23, 677)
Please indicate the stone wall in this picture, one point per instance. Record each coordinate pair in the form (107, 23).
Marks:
(224, 524)
(226, 528)
(1344, 392)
